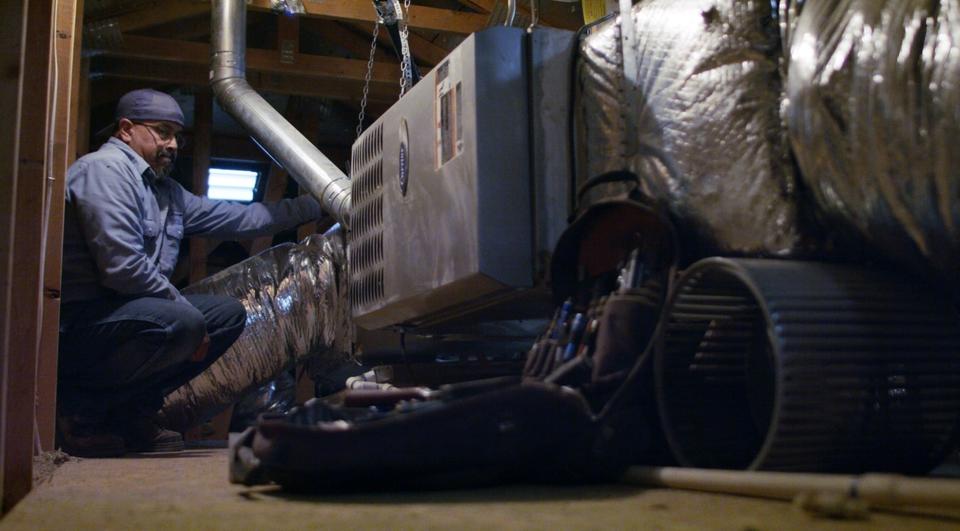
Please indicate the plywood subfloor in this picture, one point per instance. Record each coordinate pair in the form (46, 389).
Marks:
(190, 491)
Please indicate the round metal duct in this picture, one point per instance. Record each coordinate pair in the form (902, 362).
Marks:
(779, 365)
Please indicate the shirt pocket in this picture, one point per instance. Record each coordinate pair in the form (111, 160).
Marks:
(173, 231)
(151, 229)
(174, 228)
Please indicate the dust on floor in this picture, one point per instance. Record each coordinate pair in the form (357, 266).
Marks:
(190, 490)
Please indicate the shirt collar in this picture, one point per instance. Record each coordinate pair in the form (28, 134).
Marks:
(139, 163)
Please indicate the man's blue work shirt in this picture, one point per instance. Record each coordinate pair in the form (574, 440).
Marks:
(123, 225)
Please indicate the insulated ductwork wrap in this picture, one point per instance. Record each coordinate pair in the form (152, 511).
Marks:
(874, 119)
(708, 139)
(269, 128)
(297, 309)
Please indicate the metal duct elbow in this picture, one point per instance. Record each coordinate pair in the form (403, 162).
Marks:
(287, 146)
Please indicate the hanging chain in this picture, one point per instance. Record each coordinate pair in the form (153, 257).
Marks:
(534, 14)
(406, 73)
(366, 81)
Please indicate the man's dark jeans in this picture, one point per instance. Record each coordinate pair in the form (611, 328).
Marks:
(120, 357)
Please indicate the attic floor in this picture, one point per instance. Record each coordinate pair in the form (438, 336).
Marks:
(190, 491)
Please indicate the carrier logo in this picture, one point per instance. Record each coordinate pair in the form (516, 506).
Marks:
(404, 158)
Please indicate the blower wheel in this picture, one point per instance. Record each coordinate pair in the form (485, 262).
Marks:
(804, 366)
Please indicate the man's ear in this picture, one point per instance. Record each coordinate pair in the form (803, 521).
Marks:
(125, 130)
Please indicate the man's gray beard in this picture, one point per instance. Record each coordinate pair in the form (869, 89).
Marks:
(163, 171)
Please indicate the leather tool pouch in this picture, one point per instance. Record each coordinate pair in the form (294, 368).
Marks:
(581, 411)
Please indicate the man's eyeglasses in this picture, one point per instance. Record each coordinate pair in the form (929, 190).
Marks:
(164, 133)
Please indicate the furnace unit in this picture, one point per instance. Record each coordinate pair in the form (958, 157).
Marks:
(462, 187)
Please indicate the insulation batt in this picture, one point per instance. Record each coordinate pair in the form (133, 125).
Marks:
(874, 120)
(709, 142)
(297, 309)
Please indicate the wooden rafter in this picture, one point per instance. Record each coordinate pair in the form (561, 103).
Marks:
(484, 6)
(421, 17)
(258, 60)
(424, 51)
(185, 29)
(198, 75)
(355, 42)
(159, 13)
(550, 19)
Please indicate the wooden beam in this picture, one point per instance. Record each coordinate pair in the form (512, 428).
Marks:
(156, 72)
(196, 75)
(202, 130)
(63, 126)
(11, 47)
(229, 147)
(258, 60)
(288, 39)
(424, 52)
(483, 6)
(341, 36)
(421, 17)
(185, 29)
(32, 126)
(160, 12)
(555, 17)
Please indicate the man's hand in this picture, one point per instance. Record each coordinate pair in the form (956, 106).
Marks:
(201, 353)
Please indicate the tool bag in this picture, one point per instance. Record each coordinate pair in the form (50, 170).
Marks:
(581, 411)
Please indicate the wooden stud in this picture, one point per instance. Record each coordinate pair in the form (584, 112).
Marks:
(11, 46)
(62, 130)
(202, 130)
(30, 178)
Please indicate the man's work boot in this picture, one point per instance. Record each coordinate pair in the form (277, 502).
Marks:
(86, 437)
(143, 435)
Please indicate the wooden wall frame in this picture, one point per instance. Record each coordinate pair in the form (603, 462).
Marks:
(39, 91)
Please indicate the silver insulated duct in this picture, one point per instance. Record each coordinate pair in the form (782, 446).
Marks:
(268, 127)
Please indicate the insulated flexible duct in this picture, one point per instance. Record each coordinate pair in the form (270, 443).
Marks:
(807, 367)
(874, 118)
(708, 141)
(297, 309)
(269, 128)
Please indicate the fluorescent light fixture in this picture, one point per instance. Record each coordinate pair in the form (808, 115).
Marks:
(232, 185)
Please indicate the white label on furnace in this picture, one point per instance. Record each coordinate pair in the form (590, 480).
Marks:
(448, 109)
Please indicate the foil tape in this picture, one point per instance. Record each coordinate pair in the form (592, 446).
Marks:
(874, 118)
(288, 7)
(297, 310)
(709, 141)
